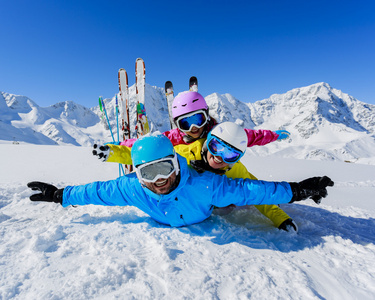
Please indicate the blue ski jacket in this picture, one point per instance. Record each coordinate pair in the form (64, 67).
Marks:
(191, 202)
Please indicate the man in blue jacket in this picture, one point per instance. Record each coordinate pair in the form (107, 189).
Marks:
(174, 194)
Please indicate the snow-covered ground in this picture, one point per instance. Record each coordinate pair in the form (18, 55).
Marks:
(95, 252)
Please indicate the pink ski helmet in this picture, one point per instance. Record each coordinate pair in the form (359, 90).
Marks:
(187, 102)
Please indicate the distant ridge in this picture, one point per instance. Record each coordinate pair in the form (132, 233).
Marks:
(324, 122)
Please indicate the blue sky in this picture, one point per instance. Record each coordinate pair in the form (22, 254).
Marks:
(54, 51)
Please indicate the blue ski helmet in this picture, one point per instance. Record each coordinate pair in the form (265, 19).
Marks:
(151, 147)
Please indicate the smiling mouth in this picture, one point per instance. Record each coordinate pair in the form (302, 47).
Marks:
(217, 159)
(161, 183)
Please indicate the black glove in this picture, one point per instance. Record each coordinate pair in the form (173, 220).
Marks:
(101, 151)
(201, 166)
(289, 225)
(314, 188)
(49, 193)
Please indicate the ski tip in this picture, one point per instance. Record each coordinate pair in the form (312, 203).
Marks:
(168, 84)
(193, 80)
(193, 84)
(168, 88)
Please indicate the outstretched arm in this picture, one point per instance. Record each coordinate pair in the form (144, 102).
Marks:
(251, 192)
(107, 193)
(113, 153)
(263, 137)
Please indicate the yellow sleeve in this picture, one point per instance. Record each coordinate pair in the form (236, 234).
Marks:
(119, 154)
(273, 212)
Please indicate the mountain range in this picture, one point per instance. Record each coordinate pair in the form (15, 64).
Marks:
(324, 122)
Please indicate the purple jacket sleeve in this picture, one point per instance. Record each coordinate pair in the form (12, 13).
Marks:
(260, 137)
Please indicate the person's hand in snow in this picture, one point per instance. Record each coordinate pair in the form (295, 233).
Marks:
(289, 225)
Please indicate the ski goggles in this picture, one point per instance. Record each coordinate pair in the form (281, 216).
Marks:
(159, 169)
(217, 147)
(195, 119)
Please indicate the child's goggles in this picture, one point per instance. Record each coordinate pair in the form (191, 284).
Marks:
(217, 147)
(197, 119)
(163, 168)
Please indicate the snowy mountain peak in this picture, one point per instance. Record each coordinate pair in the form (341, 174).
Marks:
(73, 113)
(21, 104)
(316, 103)
(227, 108)
(325, 123)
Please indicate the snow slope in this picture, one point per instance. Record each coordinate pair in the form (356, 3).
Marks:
(95, 252)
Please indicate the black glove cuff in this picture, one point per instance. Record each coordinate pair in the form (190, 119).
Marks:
(288, 224)
(58, 196)
(296, 192)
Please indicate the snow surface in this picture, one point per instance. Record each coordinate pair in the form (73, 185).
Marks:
(97, 252)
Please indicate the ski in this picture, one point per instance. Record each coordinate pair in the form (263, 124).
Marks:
(170, 96)
(193, 84)
(124, 103)
(142, 127)
(124, 109)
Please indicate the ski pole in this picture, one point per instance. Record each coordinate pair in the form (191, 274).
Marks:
(102, 108)
(117, 112)
(120, 167)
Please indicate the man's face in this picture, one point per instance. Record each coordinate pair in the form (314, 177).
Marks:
(161, 186)
(215, 162)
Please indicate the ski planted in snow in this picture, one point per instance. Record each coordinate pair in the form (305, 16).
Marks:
(142, 127)
(170, 96)
(124, 103)
(124, 109)
(193, 84)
